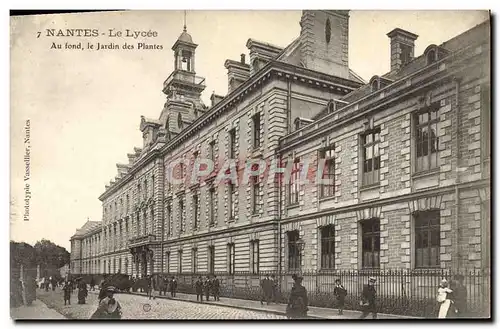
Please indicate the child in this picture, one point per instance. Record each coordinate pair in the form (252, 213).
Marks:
(444, 300)
(340, 292)
(67, 289)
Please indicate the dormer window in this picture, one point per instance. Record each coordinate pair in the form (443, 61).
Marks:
(434, 53)
(431, 57)
(375, 85)
(255, 65)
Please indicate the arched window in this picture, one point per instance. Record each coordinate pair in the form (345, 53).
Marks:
(375, 85)
(255, 65)
(179, 121)
(431, 56)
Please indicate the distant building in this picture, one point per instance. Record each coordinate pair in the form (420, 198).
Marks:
(407, 156)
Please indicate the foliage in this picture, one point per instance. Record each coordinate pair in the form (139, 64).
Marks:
(51, 256)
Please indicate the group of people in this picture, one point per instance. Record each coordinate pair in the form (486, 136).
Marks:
(207, 287)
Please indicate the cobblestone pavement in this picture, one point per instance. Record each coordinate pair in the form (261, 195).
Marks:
(37, 311)
(139, 307)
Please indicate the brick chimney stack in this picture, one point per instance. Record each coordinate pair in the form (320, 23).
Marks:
(402, 48)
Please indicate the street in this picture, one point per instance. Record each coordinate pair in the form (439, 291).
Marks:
(140, 307)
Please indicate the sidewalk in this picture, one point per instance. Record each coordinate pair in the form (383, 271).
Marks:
(37, 311)
(253, 305)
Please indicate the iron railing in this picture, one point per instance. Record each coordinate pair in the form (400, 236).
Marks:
(402, 292)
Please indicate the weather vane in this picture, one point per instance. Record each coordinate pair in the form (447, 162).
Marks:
(185, 28)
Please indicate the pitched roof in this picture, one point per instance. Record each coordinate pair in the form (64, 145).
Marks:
(86, 228)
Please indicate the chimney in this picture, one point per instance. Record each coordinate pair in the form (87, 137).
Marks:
(324, 37)
(237, 73)
(215, 99)
(402, 48)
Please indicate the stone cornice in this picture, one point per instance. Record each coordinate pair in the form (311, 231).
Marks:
(392, 200)
(273, 70)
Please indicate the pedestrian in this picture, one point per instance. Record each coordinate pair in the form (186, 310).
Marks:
(274, 289)
(445, 300)
(92, 284)
(82, 291)
(340, 292)
(109, 308)
(298, 301)
(53, 282)
(459, 296)
(173, 286)
(207, 287)
(368, 298)
(265, 285)
(150, 286)
(67, 292)
(199, 289)
(216, 288)
(47, 283)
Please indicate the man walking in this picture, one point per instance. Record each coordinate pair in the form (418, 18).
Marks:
(266, 290)
(207, 287)
(216, 288)
(173, 286)
(199, 289)
(368, 299)
(340, 292)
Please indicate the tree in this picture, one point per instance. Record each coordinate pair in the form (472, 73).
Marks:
(50, 256)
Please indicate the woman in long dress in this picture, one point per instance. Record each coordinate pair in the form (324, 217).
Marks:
(445, 299)
(297, 304)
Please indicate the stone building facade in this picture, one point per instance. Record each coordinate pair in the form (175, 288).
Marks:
(406, 154)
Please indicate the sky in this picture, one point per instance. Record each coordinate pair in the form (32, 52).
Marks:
(84, 106)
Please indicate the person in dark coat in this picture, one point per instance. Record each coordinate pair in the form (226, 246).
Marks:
(216, 288)
(207, 286)
(266, 286)
(109, 308)
(53, 282)
(67, 289)
(150, 286)
(368, 298)
(47, 283)
(92, 284)
(173, 286)
(340, 292)
(82, 291)
(298, 301)
(199, 289)
(274, 289)
(459, 296)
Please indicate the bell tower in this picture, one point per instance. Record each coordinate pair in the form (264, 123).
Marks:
(183, 88)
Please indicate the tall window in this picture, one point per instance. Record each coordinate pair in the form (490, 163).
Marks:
(256, 130)
(194, 255)
(254, 259)
(127, 204)
(145, 189)
(255, 194)
(169, 219)
(294, 257)
(427, 239)
(328, 188)
(167, 261)
(195, 210)
(211, 259)
(211, 215)
(104, 266)
(427, 139)
(371, 243)
(371, 157)
(231, 258)
(232, 143)
(182, 170)
(144, 222)
(231, 200)
(181, 214)
(119, 265)
(139, 196)
(328, 247)
(179, 259)
(294, 186)
(211, 150)
(485, 120)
